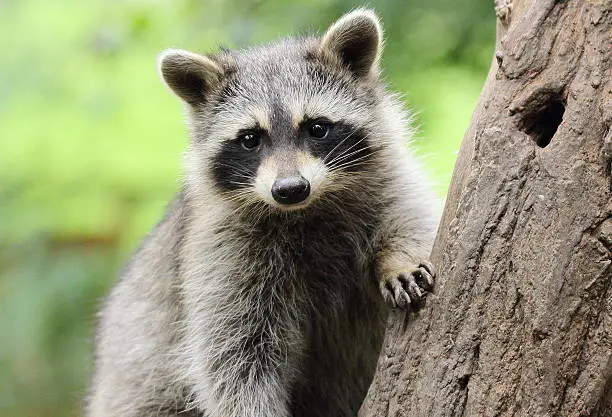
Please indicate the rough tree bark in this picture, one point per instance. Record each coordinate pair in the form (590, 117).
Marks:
(521, 321)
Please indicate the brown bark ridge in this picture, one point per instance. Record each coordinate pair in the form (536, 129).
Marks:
(521, 321)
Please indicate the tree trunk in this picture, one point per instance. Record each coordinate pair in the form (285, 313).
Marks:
(521, 320)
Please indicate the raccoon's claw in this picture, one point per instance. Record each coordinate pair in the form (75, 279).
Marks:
(408, 288)
(425, 274)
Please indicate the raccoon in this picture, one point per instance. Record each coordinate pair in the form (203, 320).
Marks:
(264, 291)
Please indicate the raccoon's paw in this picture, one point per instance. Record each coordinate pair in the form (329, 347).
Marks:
(408, 288)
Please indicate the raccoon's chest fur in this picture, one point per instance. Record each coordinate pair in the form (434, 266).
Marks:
(343, 328)
(317, 274)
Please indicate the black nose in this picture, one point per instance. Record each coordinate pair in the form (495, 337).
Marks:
(290, 190)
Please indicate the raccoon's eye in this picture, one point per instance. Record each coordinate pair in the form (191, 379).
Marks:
(250, 141)
(319, 130)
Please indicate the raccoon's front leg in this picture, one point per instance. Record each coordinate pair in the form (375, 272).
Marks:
(403, 284)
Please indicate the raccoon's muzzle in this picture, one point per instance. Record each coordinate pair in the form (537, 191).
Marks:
(290, 190)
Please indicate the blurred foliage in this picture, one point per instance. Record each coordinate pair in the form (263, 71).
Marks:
(91, 142)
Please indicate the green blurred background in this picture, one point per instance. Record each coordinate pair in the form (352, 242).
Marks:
(91, 142)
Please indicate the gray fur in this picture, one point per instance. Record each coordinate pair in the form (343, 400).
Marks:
(234, 307)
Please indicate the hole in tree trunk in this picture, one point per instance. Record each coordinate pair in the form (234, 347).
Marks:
(541, 118)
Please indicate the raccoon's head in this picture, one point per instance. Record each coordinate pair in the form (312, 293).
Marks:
(287, 124)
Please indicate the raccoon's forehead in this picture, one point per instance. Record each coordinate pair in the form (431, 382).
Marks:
(275, 86)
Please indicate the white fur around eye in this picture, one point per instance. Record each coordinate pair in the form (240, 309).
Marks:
(227, 123)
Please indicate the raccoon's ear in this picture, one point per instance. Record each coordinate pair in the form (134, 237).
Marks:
(190, 76)
(356, 40)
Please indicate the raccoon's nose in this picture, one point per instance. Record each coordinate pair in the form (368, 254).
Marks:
(290, 190)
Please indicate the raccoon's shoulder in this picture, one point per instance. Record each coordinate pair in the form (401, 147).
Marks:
(159, 251)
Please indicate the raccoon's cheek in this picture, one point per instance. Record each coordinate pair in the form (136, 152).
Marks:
(264, 180)
(314, 171)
